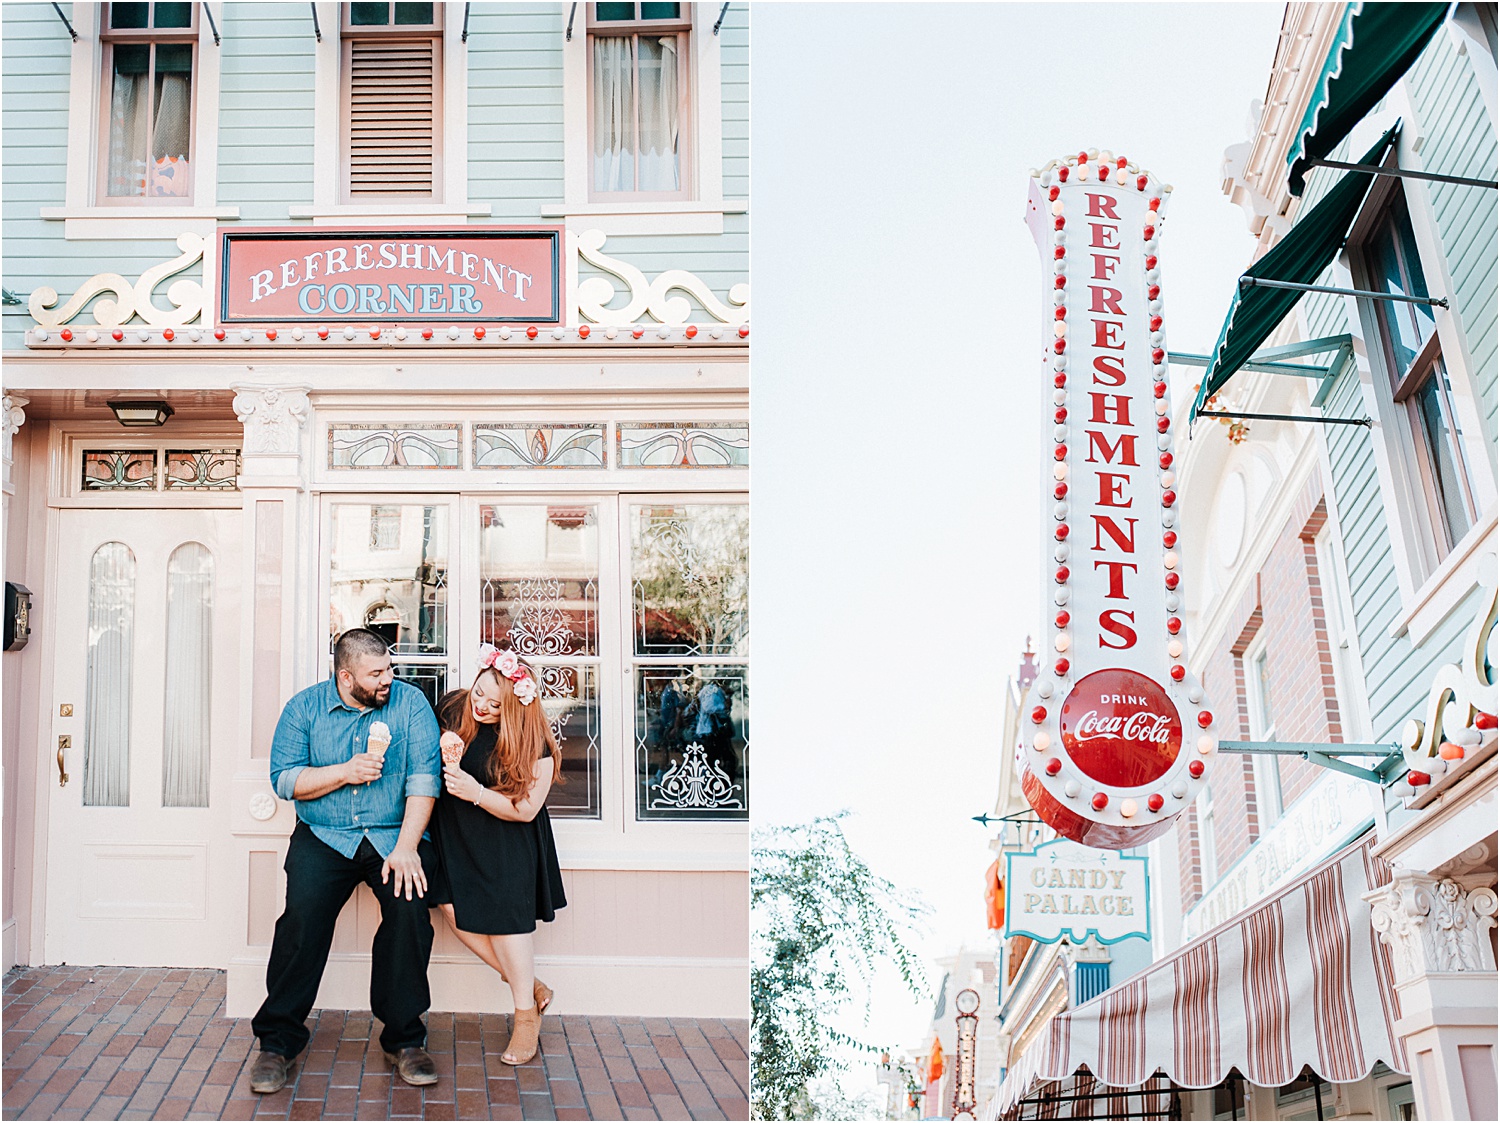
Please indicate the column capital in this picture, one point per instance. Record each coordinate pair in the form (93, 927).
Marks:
(1433, 925)
(272, 417)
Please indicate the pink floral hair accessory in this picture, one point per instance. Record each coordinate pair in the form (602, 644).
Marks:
(508, 666)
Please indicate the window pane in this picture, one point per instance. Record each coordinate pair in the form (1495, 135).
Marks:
(692, 742)
(172, 15)
(658, 126)
(171, 132)
(190, 648)
(430, 679)
(1441, 443)
(127, 17)
(614, 113)
(369, 15)
(119, 470)
(570, 697)
(382, 446)
(690, 569)
(203, 469)
(1399, 270)
(414, 13)
(613, 12)
(661, 11)
(129, 125)
(107, 693)
(539, 573)
(389, 573)
(1263, 692)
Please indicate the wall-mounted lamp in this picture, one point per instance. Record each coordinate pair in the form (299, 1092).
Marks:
(141, 415)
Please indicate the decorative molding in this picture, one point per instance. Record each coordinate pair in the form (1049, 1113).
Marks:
(262, 806)
(12, 417)
(1460, 691)
(594, 294)
(1433, 925)
(131, 300)
(272, 417)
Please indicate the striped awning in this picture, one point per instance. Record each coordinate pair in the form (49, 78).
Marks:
(1301, 979)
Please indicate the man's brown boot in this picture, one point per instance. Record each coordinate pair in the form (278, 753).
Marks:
(270, 1073)
(414, 1065)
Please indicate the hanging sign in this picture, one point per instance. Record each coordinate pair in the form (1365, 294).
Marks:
(965, 1091)
(465, 274)
(1119, 739)
(1063, 888)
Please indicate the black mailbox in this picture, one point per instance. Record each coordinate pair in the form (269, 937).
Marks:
(17, 616)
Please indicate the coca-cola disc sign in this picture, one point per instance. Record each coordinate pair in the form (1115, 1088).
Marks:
(1120, 728)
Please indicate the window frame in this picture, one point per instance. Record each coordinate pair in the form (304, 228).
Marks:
(109, 39)
(437, 33)
(1208, 851)
(683, 28)
(1270, 798)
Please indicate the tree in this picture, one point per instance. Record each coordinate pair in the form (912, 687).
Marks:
(821, 917)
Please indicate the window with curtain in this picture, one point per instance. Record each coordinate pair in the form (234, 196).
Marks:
(107, 683)
(392, 97)
(638, 92)
(1409, 350)
(149, 52)
(189, 658)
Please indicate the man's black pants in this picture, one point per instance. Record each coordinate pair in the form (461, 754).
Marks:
(319, 881)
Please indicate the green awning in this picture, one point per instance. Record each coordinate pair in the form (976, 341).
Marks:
(1374, 46)
(1300, 257)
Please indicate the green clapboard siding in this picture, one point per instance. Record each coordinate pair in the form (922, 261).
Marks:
(266, 141)
(1459, 140)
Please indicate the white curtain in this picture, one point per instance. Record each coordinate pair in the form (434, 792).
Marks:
(190, 634)
(658, 154)
(128, 127)
(170, 138)
(106, 731)
(614, 113)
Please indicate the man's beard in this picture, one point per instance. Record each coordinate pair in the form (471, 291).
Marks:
(373, 698)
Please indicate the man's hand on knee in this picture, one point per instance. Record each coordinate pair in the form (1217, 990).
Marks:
(406, 865)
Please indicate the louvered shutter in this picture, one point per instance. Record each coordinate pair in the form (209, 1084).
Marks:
(392, 92)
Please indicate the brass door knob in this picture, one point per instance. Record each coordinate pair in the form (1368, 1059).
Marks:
(64, 742)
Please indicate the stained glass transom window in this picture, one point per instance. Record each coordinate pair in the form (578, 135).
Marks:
(567, 445)
(384, 446)
(119, 469)
(676, 444)
(203, 469)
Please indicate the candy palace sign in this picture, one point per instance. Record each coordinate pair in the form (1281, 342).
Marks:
(1119, 739)
(1065, 889)
(469, 273)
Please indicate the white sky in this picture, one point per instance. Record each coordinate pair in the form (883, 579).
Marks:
(898, 310)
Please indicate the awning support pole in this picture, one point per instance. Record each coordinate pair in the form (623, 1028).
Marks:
(573, 11)
(1365, 421)
(317, 31)
(1328, 755)
(1248, 281)
(1317, 1093)
(58, 9)
(718, 23)
(1405, 173)
(464, 38)
(211, 25)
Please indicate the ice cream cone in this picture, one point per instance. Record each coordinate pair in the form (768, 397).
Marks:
(379, 740)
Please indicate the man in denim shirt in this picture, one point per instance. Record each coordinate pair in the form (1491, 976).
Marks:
(360, 817)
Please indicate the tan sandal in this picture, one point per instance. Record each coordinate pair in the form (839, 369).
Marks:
(541, 994)
(524, 1035)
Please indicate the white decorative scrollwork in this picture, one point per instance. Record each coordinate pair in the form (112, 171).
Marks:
(540, 627)
(693, 783)
(272, 417)
(130, 300)
(10, 424)
(650, 297)
(262, 806)
(672, 538)
(1459, 691)
(1433, 925)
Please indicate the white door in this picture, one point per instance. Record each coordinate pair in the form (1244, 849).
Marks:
(144, 725)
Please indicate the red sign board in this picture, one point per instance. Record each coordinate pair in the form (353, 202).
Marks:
(466, 274)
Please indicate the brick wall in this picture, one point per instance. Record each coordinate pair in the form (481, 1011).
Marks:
(1284, 608)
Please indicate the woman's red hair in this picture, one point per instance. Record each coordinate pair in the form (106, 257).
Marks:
(522, 733)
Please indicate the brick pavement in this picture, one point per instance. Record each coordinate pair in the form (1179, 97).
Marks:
(152, 1043)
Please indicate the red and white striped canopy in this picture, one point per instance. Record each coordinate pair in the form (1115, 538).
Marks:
(1301, 979)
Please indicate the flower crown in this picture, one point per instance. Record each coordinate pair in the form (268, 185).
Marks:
(506, 664)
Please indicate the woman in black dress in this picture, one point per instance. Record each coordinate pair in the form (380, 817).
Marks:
(499, 861)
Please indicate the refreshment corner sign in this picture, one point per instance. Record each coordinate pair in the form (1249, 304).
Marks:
(1064, 888)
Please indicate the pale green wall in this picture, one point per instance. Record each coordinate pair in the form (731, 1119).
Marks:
(266, 142)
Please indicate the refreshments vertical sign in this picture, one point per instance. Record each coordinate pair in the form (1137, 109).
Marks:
(1120, 738)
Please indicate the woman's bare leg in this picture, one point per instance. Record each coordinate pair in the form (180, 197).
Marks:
(479, 945)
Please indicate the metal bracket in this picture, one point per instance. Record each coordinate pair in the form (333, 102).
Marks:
(317, 31)
(212, 26)
(1247, 282)
(464, 38)
(1328, 756)
(1403, 173)
(58, 9)
(1019, 817)
(573, 11)
(1365, 421)
(718, 23)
